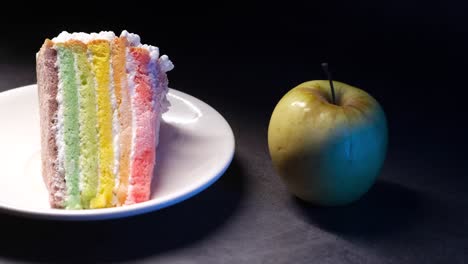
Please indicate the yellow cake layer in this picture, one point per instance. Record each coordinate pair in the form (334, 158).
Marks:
(100, 52)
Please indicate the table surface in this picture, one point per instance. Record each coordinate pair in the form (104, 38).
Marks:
(415, 213)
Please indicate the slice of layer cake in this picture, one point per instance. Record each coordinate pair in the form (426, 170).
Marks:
(101, 99)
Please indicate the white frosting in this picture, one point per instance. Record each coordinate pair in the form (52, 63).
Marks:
(133, 39)
(84, 37)
(115, 128)
(59, 126)
(154, 70)
(166, 64)
(153, 51)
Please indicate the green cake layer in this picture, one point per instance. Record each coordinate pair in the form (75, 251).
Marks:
(70, 126)
(88, 129)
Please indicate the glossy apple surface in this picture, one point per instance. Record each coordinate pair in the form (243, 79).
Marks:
(325, 153)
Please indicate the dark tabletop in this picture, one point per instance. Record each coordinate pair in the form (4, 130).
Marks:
(410, 58)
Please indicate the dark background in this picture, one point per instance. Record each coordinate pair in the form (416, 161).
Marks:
(241, 59)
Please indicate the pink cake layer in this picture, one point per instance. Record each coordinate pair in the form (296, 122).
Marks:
(144, 144)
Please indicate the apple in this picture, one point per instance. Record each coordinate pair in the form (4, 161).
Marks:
(328, 153)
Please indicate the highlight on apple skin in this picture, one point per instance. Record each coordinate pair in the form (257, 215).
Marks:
(328, 154)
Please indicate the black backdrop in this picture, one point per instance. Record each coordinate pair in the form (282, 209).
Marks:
(410, 55)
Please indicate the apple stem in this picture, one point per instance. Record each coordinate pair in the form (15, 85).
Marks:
(327, 72)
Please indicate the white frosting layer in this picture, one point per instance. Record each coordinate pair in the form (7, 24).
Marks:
(59, 127)
(115, 129)
(84, 37)
(153, 72)
(133, 39)
(166, 64)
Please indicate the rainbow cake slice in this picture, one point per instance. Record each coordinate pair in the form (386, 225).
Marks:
(101, 99)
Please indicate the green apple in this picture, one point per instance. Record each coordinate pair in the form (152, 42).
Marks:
(328, 153)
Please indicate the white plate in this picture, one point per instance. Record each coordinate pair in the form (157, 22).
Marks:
(196, 147)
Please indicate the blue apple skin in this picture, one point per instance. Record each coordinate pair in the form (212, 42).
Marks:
(328, 154)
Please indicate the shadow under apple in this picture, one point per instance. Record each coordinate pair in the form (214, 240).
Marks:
(178, 226)
(387, 208)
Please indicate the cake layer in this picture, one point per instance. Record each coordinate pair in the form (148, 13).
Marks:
(68, 91)
(47, 82)
(88, 120)
(122, 94)
(144, 142)
(101, 131)
(100, 52)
